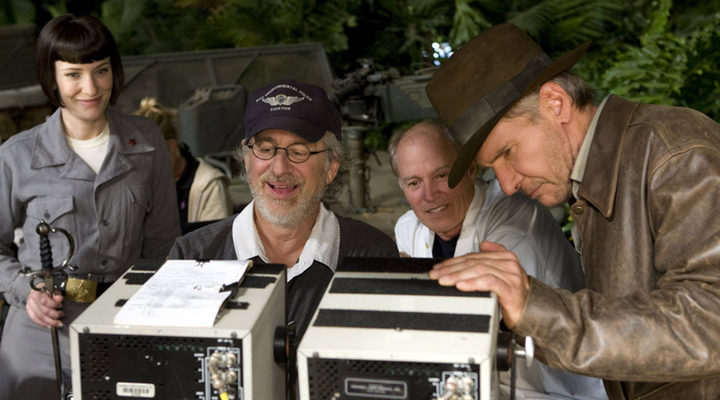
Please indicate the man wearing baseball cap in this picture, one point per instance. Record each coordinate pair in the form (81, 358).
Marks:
(643, 183)
(292, 160)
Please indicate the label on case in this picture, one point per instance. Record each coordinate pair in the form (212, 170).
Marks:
(131, 389)
(376, 388)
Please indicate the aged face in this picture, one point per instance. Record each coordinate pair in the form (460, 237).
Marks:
(533, 157)
(84, 90)
(286, 193)
(424, 161)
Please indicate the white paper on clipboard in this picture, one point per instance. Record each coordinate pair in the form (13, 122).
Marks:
(184, 293)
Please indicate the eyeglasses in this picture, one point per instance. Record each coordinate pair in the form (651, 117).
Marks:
(296, 152)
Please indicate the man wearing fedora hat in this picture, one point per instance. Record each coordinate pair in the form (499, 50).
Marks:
(446, 222)
(643, 181)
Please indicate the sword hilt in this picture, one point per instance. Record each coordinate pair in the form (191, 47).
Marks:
(43, 229)
(54, 277)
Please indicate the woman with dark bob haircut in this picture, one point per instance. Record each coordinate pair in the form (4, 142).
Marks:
(102, 176)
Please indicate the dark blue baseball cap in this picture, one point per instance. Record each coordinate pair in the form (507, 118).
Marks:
(298, 107)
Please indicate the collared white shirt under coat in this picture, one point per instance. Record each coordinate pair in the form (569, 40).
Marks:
(513, 221)
(322, 246)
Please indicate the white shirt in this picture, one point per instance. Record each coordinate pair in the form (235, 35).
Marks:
(520, 224)
(323, 245)
(524, 227)
(417, 240)
(92, 151)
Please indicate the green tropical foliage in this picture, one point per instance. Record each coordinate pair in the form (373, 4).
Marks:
(157, 26)
(555, 24)
(16, 12)
(401, 33)
(663, 59)
(152, 26)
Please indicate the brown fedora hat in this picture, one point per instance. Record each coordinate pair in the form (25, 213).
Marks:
(481, 81)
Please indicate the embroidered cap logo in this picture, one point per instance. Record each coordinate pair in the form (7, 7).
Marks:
(283, 101)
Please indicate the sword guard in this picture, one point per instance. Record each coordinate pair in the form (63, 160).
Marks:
(53, 277)
(44, 229)
(57, 276)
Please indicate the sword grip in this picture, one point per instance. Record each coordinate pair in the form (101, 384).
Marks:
(43, 229)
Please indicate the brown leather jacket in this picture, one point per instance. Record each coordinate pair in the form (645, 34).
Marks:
(648, 214)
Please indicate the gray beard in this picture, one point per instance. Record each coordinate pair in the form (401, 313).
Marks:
(300, 212)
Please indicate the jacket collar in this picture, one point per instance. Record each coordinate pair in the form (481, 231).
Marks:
(599, 185)
(125, 139)
(128, 138)
(51, 149)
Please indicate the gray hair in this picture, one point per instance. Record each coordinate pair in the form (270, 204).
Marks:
(335, 152)
(578, 90)
(429, 125)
